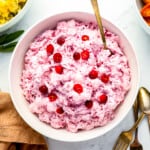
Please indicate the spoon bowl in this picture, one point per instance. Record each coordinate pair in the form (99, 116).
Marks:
(144, 100)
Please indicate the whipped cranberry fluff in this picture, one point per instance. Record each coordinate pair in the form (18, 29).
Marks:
(70, 81)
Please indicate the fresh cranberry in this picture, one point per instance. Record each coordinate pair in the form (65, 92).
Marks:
(76, 56)
(78, 88)
(104, 78)
(88, 104)
(52, 97)
(85, 54)
(61, 40)
(59, 69)
(93, 74)
(85, 37)
(107, 33)
(103, 99)
(57, 57)
(50, 49)
(60, 110)
(43, 89)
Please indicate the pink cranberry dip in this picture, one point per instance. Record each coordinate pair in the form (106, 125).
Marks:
(70, 81)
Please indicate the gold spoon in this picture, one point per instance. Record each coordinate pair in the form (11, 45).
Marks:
(141, 105)
(126, 136)
(99, 21)
(136, 145)
(143, 100)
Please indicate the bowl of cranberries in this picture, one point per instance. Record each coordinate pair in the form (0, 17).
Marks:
(65, 84)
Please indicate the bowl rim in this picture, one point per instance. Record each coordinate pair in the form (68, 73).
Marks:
(72, 137)
(16, 18)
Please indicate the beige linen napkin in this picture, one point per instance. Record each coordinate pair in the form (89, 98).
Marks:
(15, 134)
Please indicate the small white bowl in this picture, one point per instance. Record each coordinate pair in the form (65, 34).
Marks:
(16, 67)
(138, 4)
(16, 18)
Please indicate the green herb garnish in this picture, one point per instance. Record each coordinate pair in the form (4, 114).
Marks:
(5, 39)
(8, 48)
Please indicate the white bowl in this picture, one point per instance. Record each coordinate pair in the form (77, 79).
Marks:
(16, 18)
(137, 5)
(16, 66)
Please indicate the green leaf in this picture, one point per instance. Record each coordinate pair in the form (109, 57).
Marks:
(3, 38)
(6, 38)
(8, 48)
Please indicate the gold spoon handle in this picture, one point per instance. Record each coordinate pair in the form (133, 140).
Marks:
(148, 118)
(136, 110)
(99, 21)
(137, 122)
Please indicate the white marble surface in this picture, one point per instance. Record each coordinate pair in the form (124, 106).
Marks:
(121, 13)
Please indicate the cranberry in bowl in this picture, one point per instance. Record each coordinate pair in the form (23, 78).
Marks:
(65, 84)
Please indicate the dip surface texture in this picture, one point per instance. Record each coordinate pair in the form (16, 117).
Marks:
(70, 81)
